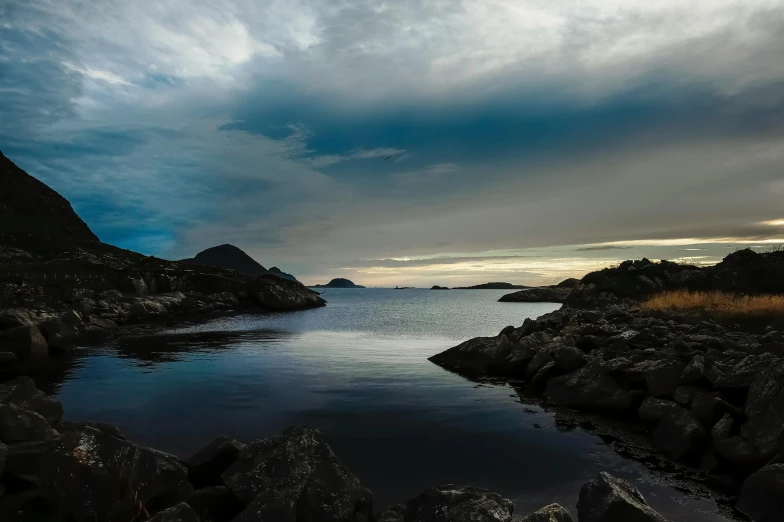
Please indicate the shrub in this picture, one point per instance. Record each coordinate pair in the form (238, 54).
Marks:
(717, 303)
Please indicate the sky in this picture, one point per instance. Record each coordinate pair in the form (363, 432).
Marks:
(531, 140)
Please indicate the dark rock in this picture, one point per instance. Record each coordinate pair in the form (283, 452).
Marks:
(182, 512)
(208, 464)
(26, 458)
(742, 375)
(544, 294)
(609, 499)
(451, 503)
(542, 357)
(551, 513)
(97, 476)
(684, 395)
(661, 377)
(19, 425)
(275, 293)
(3, 455)
(507, 331)
(8, 357)
(694, 371)
(590, 387)
(215, 504)
(740, 452)
(568, 358)
(722, 428)
(617, 365)
(436, 287)
(542, 376)
(652, 410)
(678, 434)
(762, 495)
(392, 514)
(22, 392)
(708, 407)
(26, 342)
(15, 318)
(300, 468)
(78, 426)
(270, 505)
(475, 356)
(765, 410)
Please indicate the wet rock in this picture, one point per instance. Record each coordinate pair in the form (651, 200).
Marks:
(765, 410)
(551, 513)
(541, 358)
(59, 334)
(15, 318)
(182, 512)
(96, 476)
(475, 356)
(22, 392)
(617, 365)
(26, 458)
(568, 358)
(609, 499)
(722, 428)
(679, 433)
(684, 395)
(302, 471)
(661, 377)
(26, 342)
(20, 425)
(538, 381)
(215, 504)
(739, 452)
(452, 503)
(651, 410)
(590, 387)
(208, 464)
(762, 495)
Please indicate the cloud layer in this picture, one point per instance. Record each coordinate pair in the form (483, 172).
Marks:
(513, 125)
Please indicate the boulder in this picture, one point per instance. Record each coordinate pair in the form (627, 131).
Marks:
(652, 410)
(694, 372)
(27, 342)
(568, 358)
(182, 512)
(551, 513)
(20, 425)
(78, 426)
(297, 469)
(722, 428)
(765, 410)
(742, 375)
(708, 407)
(762, 495)
(610, 499)
(59, 334)
(475, 356)
(96, 476)
(215, 504)
(679, 433)
(392, 514)
(591, 388)
(14, 318)
(25, 459)
(271, 505)
(662, 377)
(541, 358)
(208, 464)
(22, 392)
(739, 452)
(452, 503)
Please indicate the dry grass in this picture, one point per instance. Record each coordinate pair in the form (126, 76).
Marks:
(717, 303)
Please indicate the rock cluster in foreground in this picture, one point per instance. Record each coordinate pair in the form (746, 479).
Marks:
(55, 470)
(710, 395)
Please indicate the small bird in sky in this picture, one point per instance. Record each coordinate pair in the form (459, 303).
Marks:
(388, 157)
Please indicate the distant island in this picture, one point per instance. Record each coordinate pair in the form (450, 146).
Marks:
(436, 287)
(491, 286)
(339, 283)
(234, 258)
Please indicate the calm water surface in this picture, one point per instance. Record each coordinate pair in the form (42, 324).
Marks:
(357, 370)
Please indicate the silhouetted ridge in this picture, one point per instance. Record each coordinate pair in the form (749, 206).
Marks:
(228, 256)
(35, 218)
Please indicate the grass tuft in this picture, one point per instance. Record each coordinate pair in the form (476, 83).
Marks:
(717, 303)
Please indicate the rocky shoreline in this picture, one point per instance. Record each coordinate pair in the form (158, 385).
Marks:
(705, 393)
(57, 470)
